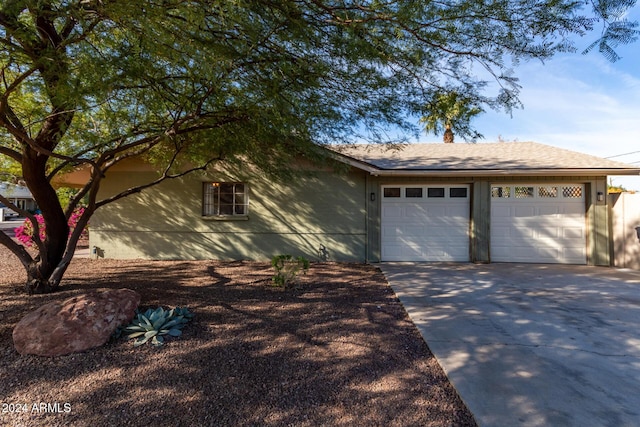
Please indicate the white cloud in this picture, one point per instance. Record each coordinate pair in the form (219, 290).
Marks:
(581, 103)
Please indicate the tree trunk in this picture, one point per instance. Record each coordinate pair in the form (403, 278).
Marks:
(38, 275)
(52, 249)
(448, 135)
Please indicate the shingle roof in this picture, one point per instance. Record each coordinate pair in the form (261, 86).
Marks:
(14, 191)
(501, 157)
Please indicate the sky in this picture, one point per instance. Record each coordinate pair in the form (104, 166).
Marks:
(578, 102)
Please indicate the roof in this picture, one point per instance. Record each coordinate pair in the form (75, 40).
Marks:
(512, 158)
(13, 191)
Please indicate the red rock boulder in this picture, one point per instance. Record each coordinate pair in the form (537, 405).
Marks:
(76, 324)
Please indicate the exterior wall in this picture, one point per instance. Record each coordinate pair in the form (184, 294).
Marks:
(322, 216)
(325, 210)
(480, 222)
(479, 233)
(625, 229)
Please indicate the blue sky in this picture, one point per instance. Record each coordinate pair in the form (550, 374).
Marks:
(579, 102)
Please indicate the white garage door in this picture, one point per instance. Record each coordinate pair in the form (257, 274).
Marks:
(538, 223)
(425, 223)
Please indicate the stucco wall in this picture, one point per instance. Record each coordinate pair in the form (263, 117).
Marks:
(299, 218)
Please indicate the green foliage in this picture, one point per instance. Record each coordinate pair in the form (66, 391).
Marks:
(617, 29)
(154, 325)
(287, 268)
(451, 110)
(615, 189)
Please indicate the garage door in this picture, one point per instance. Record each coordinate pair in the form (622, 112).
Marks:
(425, 223)
(538, 223)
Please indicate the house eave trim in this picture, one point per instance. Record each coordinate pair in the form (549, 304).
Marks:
(500, 172)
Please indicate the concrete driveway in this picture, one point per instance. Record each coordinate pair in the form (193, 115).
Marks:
(531, 344)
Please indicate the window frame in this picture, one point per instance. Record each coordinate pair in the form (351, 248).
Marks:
(212, 202)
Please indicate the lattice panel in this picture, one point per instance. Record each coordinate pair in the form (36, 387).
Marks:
(573, 192)
(501, 192)
(523, 192)
(548, 192)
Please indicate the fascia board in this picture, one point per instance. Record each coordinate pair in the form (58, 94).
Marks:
(498, 172)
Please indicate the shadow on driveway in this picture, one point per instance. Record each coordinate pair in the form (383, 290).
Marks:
(531, 344)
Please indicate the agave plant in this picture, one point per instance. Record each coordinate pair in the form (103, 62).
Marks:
(154, 324)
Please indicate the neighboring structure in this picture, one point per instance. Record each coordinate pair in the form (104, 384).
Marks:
(19, 195)
(625, 229)
(487, 202)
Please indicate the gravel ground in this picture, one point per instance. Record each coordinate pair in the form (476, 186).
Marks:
(337, 351)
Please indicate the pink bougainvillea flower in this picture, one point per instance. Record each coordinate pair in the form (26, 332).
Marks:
(24, 233)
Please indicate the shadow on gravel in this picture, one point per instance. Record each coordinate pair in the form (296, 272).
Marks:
(339, 351)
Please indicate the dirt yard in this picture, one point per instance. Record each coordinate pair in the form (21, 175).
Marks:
(337, 351)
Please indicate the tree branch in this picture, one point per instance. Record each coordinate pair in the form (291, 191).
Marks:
(165, 176)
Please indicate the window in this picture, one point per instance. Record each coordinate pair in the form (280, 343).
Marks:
(573, 192)
(225, 199)
(435, 192)
(546, 192)
(501, 192)
(413, 192)
(524, 192)
(391, 192)
(458, 192)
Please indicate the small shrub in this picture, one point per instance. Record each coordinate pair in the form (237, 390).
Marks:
(155, 324)
(287, 269)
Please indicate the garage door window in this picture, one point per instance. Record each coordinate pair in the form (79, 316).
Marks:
(500, 192)
(458, 192)
(413, 192)
(535, 192)
(391, 192)
(547, 192)
(523, 192)
(573, 192)
(435, 192)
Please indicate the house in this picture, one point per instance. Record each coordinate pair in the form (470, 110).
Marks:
(486, 202)
(19, 195)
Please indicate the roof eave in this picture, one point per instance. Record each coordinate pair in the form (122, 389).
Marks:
(498, 172)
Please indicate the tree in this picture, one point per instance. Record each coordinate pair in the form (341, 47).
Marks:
(451, 111)
(186, 83)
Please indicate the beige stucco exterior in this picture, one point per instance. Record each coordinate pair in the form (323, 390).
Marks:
(326, 215)
(317, 216)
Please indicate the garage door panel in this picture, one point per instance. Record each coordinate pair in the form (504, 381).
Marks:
(573, 233)
(539, 228)
(392, 252)
(392, 211)
(416, 231)
(413, 211)
(541, 233)
(524, 211)
(457, 212)
(574, 255)
(500, 211)
(577, 209)
(549, 211)
(436, 211)
(390, 232)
